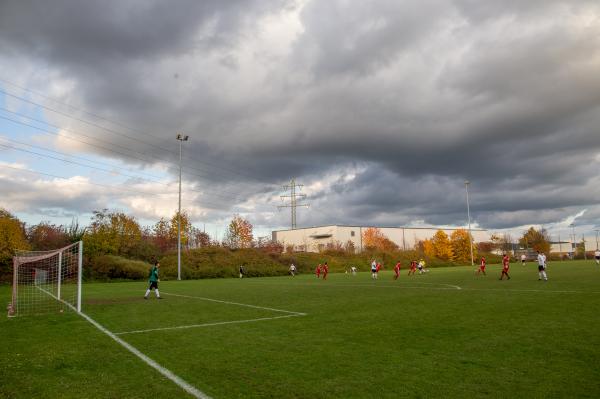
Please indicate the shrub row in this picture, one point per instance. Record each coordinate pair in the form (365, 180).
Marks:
(219, 262)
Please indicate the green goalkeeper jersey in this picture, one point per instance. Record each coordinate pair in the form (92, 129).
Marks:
(154, 274)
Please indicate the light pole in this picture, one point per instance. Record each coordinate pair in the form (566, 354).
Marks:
(181, 138)
(573, 244)
(469, 219)
(597, 239)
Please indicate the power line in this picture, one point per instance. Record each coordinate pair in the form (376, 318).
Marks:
(128, 155)
(77, 157)
(293, 200)
(120, 133)
(114, 172)
(118, 123)
(119, 187)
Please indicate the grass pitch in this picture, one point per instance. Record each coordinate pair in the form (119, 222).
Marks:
(447, 333)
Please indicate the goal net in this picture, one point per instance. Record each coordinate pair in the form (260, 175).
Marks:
(47, 281)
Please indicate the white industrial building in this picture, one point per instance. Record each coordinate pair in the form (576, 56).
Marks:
(315, 239)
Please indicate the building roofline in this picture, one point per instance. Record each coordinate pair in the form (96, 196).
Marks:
(380, 227)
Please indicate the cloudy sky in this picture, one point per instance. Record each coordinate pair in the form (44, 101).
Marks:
(382, 109)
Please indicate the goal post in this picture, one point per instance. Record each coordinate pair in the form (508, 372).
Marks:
(47, 281)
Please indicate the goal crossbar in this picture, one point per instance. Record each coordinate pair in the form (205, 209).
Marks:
(46, 281)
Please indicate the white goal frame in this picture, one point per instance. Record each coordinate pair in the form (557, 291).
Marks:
(40, 276)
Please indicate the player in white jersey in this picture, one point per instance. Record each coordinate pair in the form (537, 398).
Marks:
(542, 266)
(293, 270)
(374, 270)
(353, 270)
(597, 256)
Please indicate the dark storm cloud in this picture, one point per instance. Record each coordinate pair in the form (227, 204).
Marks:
(412, 97)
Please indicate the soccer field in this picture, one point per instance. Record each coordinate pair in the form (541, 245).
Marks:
(447, 333)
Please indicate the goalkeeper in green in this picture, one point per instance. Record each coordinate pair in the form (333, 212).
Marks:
(153, 281)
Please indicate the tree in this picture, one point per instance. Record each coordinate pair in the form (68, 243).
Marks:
(442, 246)
(461, 246)
(161, 233)
(185, 228)
(538, 240)
(12, 237)
(373, 238)
(200, 238)
(428, 248)
(113, 233)
(45, 236)
(239, 233)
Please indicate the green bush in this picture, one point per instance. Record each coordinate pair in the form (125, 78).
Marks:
(116, 267)
(218, 262)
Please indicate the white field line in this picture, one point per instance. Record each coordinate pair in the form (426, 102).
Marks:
(449, 287)
(164, 371)
(208, 324)
(385, 285)
(237, 304)
(526, 290)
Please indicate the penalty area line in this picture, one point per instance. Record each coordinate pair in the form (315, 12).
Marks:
(236, 303)
(209, 324)
(180, 382)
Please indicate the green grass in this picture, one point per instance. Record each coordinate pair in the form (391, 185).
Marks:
(416, 337)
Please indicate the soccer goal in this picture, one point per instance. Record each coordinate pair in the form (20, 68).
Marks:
(47, 281)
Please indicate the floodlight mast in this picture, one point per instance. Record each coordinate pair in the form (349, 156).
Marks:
(181, 138)
(469, 220)
(573, 243)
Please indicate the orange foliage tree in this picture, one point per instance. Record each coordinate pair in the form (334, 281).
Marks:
(461, 246)
(429, 248)
(373, 238)
(442, 246)
(239, 233)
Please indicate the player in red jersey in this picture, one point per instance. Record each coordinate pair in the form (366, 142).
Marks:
(505, 266)
(325, 271)
(413, 267)
(481, 266)
(397, 270)
(318, 271)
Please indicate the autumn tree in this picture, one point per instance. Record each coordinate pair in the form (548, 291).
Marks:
(442, 246)
(461, 245)
(538, 240)
(12, 237)
(185, 228)
(112, 233)
(239, 233)
(161, 234)
(200, 238)
(428, 248)
(45, 236)
(373, 238)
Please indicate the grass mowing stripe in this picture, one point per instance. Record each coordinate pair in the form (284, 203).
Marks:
(195, 392)
(237, 304)
(208, 324)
